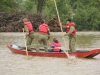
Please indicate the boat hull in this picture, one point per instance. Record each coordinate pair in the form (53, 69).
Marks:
(81, 54)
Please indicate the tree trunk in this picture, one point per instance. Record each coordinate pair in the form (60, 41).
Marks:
(39, 6)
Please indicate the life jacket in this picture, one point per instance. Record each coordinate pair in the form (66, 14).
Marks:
(56, 47)
(68, 28)
(43, 29)
(30, 27)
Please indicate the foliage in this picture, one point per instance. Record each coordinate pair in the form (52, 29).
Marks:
(85, 13)
(29, 6)
(10, 5)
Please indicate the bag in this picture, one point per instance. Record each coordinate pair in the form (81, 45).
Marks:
(15, 47)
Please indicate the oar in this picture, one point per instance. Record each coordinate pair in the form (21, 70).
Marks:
(66, 52)
(25, 42)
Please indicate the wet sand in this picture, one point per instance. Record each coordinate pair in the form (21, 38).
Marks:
(16, 64)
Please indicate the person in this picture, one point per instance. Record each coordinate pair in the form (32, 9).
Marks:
(55, 46)
(28, 28)
(71, 33)
(44, 35)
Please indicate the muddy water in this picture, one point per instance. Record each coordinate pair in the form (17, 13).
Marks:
(15, 64)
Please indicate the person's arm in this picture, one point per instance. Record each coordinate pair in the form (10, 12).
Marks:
(26, 29)
(70, 31)
(63, 26)
(48, 33)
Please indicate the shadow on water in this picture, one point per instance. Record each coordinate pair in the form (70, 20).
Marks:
(88, 58)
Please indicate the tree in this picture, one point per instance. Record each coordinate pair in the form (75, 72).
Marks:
(10, 5)
(30, 6)
(40, 6)
(33, 6)
(87, 14)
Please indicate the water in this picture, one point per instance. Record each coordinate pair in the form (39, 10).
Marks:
(16, 64)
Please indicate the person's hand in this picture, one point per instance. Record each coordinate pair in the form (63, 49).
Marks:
(25, 38)
(60, 24)
(63, 35)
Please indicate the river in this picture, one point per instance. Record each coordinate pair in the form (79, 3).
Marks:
(16, 64)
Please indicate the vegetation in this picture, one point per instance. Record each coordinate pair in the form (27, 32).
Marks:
(85, 13)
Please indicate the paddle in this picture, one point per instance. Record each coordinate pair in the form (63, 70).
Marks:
(25, 42)
(61, 29)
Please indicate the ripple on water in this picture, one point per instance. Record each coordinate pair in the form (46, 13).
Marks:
(15, 64)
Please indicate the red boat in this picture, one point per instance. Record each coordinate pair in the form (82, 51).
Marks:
(80, 54)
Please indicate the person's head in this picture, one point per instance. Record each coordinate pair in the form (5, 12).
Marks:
(55, 40)
(68, 21)
(42, 21)
(25, 20)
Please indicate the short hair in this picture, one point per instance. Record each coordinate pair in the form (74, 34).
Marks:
(70, 20)
(25, 19)
(42, 21)
(55, 40)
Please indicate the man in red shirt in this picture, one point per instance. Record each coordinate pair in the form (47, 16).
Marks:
(44, 35)
(29, 32)
(71, 33)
